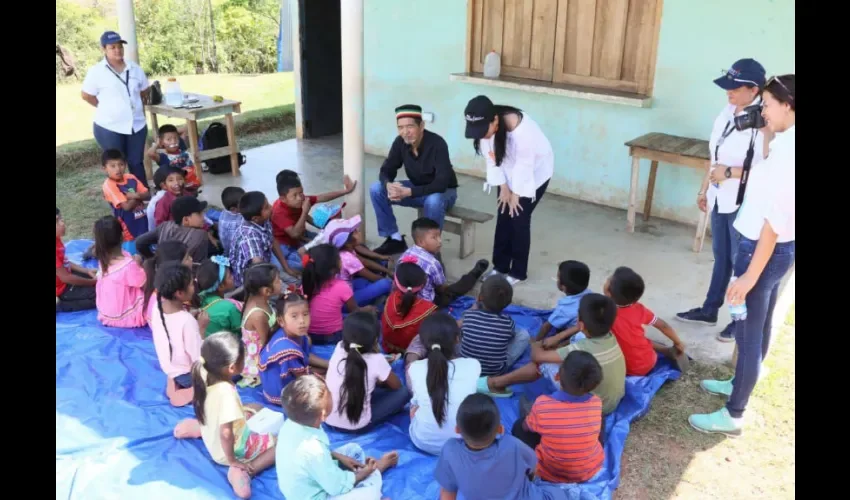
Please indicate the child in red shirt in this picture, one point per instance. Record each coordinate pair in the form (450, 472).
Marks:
(626, 287)
(75, 285)
(404, 310)
(291, 213)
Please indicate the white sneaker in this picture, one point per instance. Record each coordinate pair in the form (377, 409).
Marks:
(488, 274)
(513, 281)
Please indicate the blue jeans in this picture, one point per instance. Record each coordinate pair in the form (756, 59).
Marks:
(724, 239)
(436, 205)
(293, 258)
(366, 292)
(753, 334)
(132, 146)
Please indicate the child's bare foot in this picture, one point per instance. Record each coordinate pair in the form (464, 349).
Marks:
(189, 428)
(387, 461)
(240, 481)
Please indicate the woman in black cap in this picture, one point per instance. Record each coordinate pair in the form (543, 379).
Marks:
(520, 164)
(719, 190)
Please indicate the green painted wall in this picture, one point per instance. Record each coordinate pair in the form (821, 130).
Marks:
(412, 47)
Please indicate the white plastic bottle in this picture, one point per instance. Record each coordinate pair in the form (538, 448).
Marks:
(738, 312)
(173, 94)
(492, 65)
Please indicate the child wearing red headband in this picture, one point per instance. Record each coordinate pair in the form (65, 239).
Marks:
(405, 310)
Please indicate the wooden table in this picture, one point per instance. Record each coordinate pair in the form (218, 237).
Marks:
(671, 149)
(209, 109)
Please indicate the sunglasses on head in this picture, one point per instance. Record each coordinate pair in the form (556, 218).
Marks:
(777, 80)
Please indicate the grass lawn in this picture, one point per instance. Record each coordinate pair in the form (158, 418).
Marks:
(74, 117)
(665, 458)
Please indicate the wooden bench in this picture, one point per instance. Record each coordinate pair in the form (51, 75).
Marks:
(465, 228)
(671, 149)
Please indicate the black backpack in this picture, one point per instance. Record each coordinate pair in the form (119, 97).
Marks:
(214, 137)
(156, 94)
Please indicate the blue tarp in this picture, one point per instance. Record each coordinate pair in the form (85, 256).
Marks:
(114, 424)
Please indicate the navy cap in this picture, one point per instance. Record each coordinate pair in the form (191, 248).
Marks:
(743, 72)
(479, 113)
(111, 38)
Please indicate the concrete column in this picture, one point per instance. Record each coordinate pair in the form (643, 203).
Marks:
(352, 103)
(127, 29)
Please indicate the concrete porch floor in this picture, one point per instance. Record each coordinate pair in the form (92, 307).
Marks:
(676, 278)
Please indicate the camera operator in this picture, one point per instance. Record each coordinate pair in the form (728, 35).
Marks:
(735, 130)
(766, 223)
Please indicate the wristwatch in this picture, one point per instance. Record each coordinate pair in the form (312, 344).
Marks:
(728, 172)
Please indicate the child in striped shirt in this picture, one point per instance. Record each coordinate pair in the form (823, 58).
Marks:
(564, 428)
(490, 336)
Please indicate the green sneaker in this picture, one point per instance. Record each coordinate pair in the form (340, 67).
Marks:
(719, 422)
(718, 387)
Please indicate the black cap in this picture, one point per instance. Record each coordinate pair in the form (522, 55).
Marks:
(479, 113)
(184, 206)
(162, 174)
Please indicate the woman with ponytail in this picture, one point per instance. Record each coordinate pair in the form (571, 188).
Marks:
(364, 389)
(327, 294)
(405, 310)
(176, 333)
(221, 418)
(439, 384)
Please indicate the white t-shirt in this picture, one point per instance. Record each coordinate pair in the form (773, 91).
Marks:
(770, 194)
(528, 162)
(151, 209)
(119, 107)
(731, 153)
(424, 431)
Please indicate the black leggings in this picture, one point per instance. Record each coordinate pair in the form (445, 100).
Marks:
(457, 289)
(77, 297)
(512, 241)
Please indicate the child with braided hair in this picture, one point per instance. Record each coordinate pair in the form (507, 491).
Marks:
(405, 309)
(212, 280)
(176, 333)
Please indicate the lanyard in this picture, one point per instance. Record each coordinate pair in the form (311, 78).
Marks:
(726, 133)
(125, 81)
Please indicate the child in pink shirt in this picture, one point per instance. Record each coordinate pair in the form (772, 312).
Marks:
(327, 294)
(120, 278)
(177, 335)
(364, 389)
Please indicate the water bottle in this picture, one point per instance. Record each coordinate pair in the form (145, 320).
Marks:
(492, 65)
(173, 93)
(738, 312)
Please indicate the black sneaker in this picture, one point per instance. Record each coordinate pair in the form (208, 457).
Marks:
(697, 316)
(480, 267)
(392, 247)
(728, 333)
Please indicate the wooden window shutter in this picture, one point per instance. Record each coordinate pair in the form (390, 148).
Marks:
(521, 31)
(607, 44)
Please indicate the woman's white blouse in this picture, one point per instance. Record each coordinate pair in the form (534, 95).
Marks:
(118, 110)
(770, 195)
(731, 153)
(528, 163)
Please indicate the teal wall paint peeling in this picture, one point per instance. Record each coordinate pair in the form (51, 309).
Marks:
(411, 48)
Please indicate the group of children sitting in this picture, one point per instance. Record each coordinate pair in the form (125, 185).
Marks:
(246, 308)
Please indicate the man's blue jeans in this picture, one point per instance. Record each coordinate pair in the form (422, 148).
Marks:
(436, 205)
